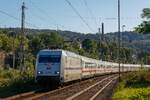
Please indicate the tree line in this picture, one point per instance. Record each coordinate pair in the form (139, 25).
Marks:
(87, 47)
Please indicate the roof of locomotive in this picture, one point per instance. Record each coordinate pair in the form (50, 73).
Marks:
(64, 52)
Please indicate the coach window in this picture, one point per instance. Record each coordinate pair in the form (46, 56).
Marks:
(99, 66)
(86, 65)
(82, 64)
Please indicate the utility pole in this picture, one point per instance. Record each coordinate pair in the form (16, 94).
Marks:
(22, 35)
(99, 31)
(119, 36)
(123, 26)
(13, 48)
(142, 52)
(100, 44)
(102, 32)
(102, 41)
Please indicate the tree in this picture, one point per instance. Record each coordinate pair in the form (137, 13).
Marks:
(91, 48)
(144, 27)
(6, 42)
(89, 45)
(36, 44)
(52, 39)
(146, 13)
(44, 41)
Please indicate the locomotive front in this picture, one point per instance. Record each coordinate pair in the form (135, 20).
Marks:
(48, 65)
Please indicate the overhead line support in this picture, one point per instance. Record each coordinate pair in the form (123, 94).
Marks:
(22, 36)
(119, 36)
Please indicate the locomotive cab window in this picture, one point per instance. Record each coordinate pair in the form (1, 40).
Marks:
(49, 59)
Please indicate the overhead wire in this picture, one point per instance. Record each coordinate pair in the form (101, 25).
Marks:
(5, 13)
(75, 10)
(107, 18)
(33, 15)
(90, 12)
(9, 15)
(46, 14)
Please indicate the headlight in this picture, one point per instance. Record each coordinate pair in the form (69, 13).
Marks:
(40, 72)
(56, 72)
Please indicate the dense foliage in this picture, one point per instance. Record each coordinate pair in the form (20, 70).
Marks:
(13, 82)
(134, 86)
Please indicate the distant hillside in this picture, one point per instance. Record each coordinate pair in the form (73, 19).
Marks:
(130, 39)
(133, 40)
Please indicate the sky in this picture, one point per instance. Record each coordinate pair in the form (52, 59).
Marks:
(58, 14)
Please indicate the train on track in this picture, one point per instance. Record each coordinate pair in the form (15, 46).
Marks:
(61, 66)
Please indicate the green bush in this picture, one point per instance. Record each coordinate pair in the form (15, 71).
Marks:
(133, 94)
(9, 73)
(13, 82)
(10, 76)
(134, 86)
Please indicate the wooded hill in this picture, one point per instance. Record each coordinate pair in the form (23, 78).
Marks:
(133, 40)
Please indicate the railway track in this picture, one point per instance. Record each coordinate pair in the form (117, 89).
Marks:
(84, 90)
(92, 92)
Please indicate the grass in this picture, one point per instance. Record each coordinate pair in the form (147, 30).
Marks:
(134, 86)
(133, 94)
(13, 82)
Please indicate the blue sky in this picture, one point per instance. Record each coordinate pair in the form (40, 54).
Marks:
(50, 14)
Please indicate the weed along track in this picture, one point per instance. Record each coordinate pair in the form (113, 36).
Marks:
(84, 90)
